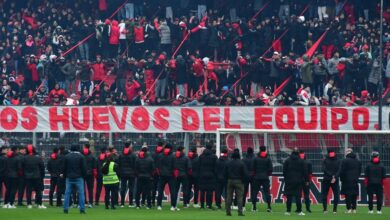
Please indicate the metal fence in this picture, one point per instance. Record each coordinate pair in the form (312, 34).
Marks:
(315, 145)
(279, 145)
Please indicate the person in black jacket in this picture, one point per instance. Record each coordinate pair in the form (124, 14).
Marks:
(193, 178)
(295, 174)
(3, 161)
(330, 167)
(236, 173)
(53, 167)
(21, 180)
(182, 169)
(91, 172)
(166, 167)
(306, 185)
(221, 178)
(375, 174)
(262, 167)
(13, 169)
(144, 168)
(34, 172)
(126, 163)
(99, 179)
(349, 174)
(248, 161)
(207, 176)
(156, 176)
(74, 170)
(61, 180)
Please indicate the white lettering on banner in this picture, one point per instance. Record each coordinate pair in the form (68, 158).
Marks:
(182, 119)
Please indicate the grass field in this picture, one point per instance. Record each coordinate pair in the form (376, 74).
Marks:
(99, 213)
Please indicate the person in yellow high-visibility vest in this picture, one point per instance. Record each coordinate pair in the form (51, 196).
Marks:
(110, 182)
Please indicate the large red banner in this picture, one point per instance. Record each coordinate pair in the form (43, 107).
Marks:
(186, 119)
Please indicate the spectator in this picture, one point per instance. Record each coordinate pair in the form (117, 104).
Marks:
(34, 49)
(114, 39)
(70, 70)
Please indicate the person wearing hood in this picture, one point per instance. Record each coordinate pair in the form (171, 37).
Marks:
(181, 74)
(330, 167)
(221, 178)
(126, 166)
(74, 170)
(165, 37)
(262, 168)
(144, 168)
(114, 39)
(99, 178)
(156, 174)
(207, 176)
(236, 174)
(110, 181)
(54, 169)
(13, 170)
(61, 180)
(91, 172)
(21, 153)
(193, 177)
(349, 174)
(248, 161)
(375, 175)
(34, 172)
(295, 174)
(166, 168)
(182, 170)
(306, 185)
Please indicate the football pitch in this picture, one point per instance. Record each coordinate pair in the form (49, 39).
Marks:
(99, 213)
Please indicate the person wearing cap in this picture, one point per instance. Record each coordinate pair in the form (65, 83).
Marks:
(166, 168)
(193, 177)
(207, 176)
(126, 172)
(221, 178)
(295, 174)
(53, 167)
(34, 172)
(91, 172)
(374, 176)
(236, 174)
(74, 171)
(162, 82)
(110, 181)
(182, 170)
(306, 185)
(330, 167)
(349, 174)
(144, 169)
(262, 168)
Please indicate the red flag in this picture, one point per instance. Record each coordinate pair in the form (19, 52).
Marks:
(277, 45)
(313, 48)
(309, 53)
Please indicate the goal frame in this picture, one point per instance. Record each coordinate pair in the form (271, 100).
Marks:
(268, 131)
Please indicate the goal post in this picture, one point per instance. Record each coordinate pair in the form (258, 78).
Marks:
(315, 143)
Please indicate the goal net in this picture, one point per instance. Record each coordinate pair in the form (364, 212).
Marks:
(280, 144)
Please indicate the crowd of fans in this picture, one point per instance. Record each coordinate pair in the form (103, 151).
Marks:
(189, 53)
